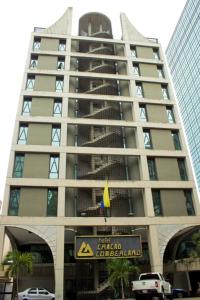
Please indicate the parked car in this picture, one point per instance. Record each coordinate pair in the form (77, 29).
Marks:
(153, 285)
(36, 294)
(179, 293)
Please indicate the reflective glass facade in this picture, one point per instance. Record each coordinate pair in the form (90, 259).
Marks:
(183, 55)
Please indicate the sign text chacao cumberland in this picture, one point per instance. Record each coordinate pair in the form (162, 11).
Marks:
(102, 247)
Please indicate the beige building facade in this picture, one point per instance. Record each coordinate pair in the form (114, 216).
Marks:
(91, 109)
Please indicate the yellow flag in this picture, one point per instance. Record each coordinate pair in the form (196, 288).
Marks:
(106, 198)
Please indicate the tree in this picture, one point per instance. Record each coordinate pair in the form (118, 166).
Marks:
(196, 239)
(118, 273)
(15, 261)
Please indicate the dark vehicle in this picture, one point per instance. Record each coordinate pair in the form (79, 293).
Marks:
(179, 293)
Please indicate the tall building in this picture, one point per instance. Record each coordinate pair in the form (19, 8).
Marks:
(92, 109)
(183, 54)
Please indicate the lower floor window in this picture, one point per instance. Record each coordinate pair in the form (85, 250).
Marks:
(14, 202)
(52, 199)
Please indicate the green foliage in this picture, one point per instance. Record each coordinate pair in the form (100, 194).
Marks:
(118, 273)
(196, 239)
(14, 262)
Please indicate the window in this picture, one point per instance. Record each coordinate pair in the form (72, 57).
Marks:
(36, 43)
(157, 203)
(23, 133)
(165, 92)
(18, 166)
(14, 202)
(136, 71)
(61, 63)
(57, 108)
(62, 45)
(59, 84)
(34, 62)
(156, 53)
(54, 165)
(152, 169)
(189, 203)
(26, 109)
(182, 168)
(32, 291)
(147, 139)
(170, 115)
(52, 198)
(160, 72)
(139, 90)
(143, 113)
(175, 137)
(133, 52)
(30, 83)
(55, 136)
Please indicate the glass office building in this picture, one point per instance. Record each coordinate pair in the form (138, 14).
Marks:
(183, 55)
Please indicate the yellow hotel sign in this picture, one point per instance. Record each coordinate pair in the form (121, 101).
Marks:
(109, 246)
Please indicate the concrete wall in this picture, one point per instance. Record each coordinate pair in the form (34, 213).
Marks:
(45, 83)
(36, 165)
(33, 202)
(42, 106)
(167, 168)
(152, 90)
(162, 139)
(49, 44)
(156, 113)
(173, 203)
(47, 62)
(144, 52)
(39, 134)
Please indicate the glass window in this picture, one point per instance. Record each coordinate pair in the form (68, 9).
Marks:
(175, 137)
(62, 45)
(157, 203)
(133, 52)
(26, 109)
(182, 168)
(160, 72)
(23, 134)
(32, 291)
(136, 71)
(54, 166)
(34, 62)
(170, 115)
(36, 43)
(152, 169)
(52, 198)
(30, 83)
(18, 166)
(61, 63)
(55, 136)
(14, 202)
(147, 139)
(164, 92)
(139, 90)
(59, 84)
(143, 113)
(156, 53)
(57, 108)
(189, 203)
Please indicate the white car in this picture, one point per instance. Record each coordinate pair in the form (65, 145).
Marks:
(36, 294)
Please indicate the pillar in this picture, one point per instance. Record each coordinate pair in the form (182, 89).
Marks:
(2, 238)
(154, 250)
(59, 263)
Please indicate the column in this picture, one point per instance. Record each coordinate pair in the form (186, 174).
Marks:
(154, 251)
(2, 237)
(59, 264)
